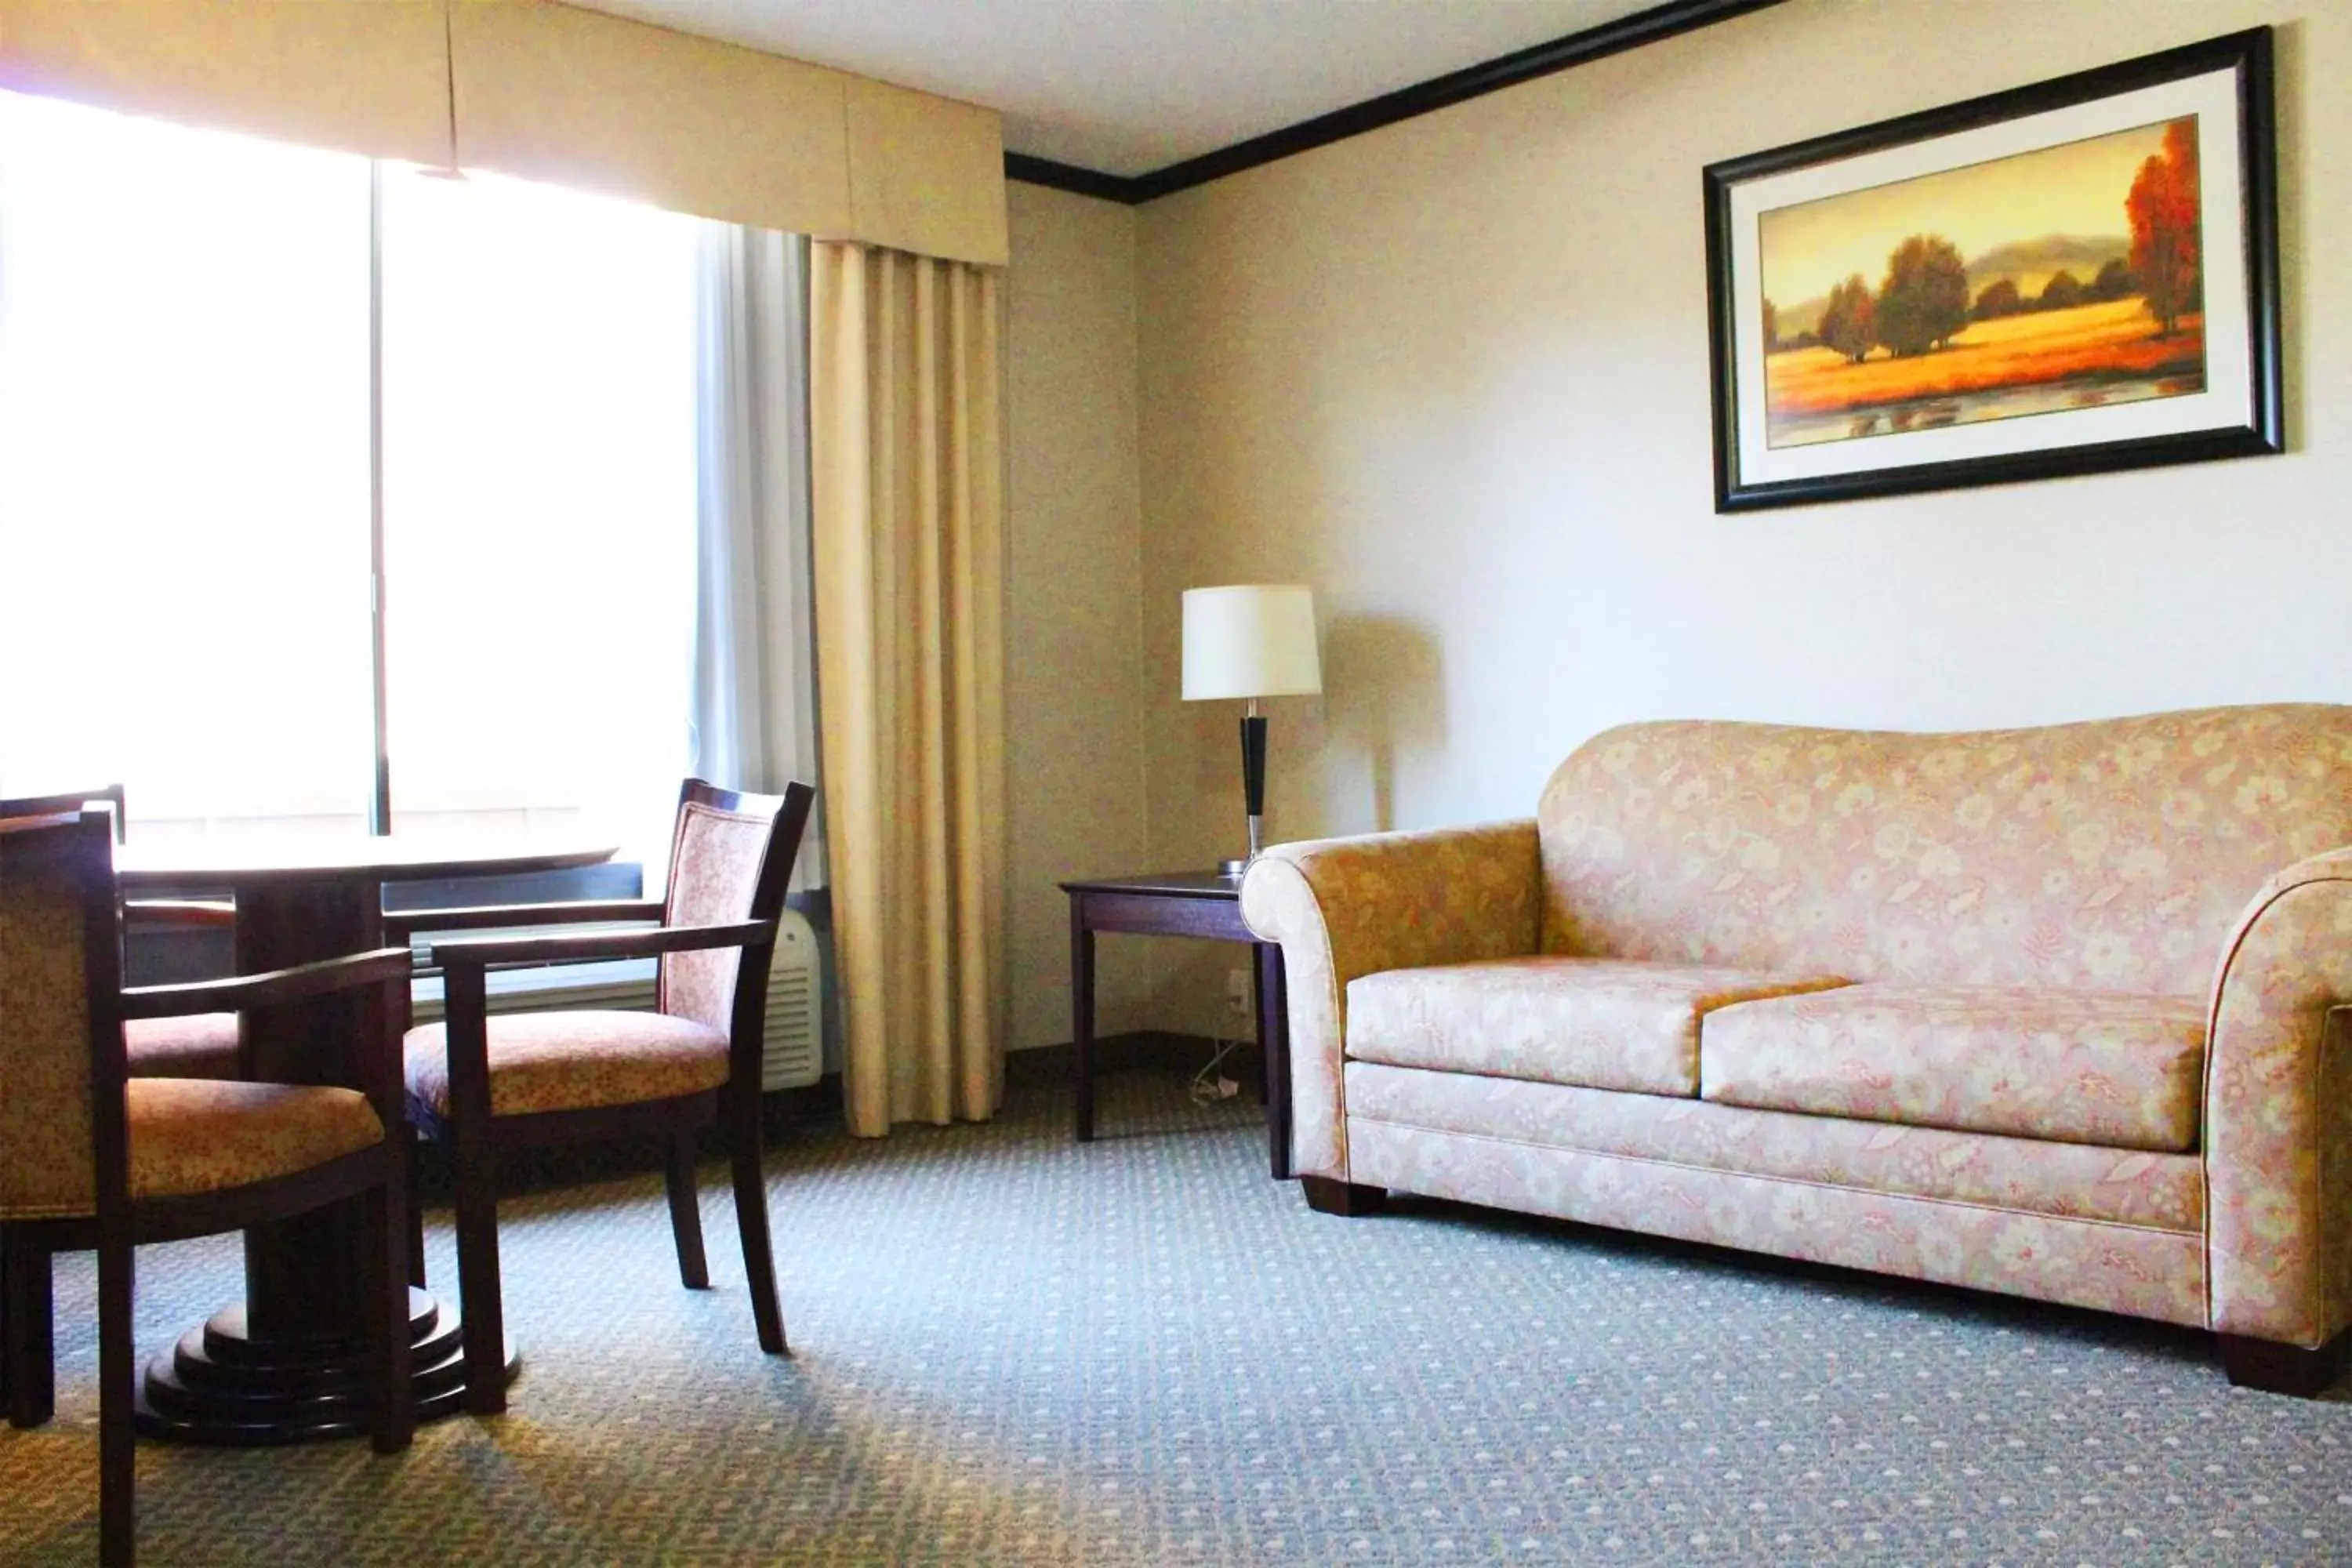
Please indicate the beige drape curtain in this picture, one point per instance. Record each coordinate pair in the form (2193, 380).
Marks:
(908, 512)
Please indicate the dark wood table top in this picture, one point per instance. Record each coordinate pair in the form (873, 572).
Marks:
(352, 857)
(1165, 884)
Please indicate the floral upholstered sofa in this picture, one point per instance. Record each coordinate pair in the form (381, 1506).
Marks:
(2048, 1012)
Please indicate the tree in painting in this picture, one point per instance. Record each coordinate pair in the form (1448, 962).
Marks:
(1849, 321)
(1999, 299)
(2115, 282)
(1924, 299)
(2163, 207)
(2062, 292)
(1771, 327)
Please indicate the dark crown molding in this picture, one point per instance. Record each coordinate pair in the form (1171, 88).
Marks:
(1650, 26)
(1068, 177)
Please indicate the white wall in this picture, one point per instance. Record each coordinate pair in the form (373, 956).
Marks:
(1453, 374)
(1073, 696)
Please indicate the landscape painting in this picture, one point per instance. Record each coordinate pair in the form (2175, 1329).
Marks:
(2061, 278)
(2074, 276)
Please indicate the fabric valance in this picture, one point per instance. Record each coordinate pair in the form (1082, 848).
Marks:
(547, 91)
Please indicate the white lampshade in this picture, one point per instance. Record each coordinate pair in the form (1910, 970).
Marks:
(1257, 639)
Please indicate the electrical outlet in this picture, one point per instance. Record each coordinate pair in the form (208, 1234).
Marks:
(1237, 992)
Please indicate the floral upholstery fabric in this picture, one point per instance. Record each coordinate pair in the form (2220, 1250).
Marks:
(714, 869)
(1342, 908)
(570, 1061)
(2142, 1270)
(46, 1162)
(2278, 1111)
(1603, 1023)
(200, 1045)
(2089, 1067)
(2112, 856)
(2070, 1180)
(196, 1135)
(201, 1135)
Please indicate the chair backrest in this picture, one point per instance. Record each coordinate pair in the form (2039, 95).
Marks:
(69, 801)
(2112, 856)
(731, 855)
(64, 1147)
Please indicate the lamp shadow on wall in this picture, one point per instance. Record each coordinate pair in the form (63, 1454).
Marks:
(1384, 699)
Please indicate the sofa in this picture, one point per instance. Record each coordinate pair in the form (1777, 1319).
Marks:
(2051, 1012)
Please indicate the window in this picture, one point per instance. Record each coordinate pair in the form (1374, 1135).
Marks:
(183, 467)
(188, 471)
(538, 496)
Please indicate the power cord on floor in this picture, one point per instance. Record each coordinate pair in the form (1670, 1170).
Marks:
(1210, 1085)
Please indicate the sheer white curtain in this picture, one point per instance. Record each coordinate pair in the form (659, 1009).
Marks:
(755, 644)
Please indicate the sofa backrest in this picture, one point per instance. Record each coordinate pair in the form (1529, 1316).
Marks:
(2106, 856)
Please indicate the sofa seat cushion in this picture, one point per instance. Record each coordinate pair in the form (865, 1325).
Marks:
(2026, 1175)
(2123, 1072)
(1602, 1023)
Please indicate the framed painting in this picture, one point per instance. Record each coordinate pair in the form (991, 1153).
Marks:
(2076, 276)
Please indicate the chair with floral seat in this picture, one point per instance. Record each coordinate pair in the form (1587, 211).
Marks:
(195, 1045)
(203, 1045)
(91, 1157)
(490, 1086)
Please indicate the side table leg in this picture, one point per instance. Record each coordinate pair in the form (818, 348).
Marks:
(1082, 1017)
(1274, 1050)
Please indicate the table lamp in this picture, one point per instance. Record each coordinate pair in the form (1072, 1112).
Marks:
(1250, 641)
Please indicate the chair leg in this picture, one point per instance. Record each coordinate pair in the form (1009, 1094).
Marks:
(478, 1276)
(392, 1420)
(751, 1219)
(415, 1211)
(685, 1213)
(118, 1507)
(27, 1331)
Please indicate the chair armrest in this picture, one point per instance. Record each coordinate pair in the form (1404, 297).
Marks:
(477, 954)
(180, 913)
(269, 990)
(1347, 907)
(402, 924)
(2277, 1132)
(465, 964)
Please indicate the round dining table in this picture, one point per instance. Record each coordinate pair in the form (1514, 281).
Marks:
(287, 1363)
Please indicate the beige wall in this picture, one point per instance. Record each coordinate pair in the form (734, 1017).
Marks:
(1453, 374)
(1075, 702)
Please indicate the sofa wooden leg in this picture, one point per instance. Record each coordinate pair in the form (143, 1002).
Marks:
(1326, 1194)
(2282, 1369)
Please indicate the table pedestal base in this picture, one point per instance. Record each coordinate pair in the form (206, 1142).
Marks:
(222, 1386)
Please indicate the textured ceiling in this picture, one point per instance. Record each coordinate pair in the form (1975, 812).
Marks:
(1128, 86)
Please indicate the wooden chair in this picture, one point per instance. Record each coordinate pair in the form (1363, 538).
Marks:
(490, 1085)
(90, 1157)
(200, 1046)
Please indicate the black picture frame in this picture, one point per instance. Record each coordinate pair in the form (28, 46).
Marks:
(2260, 433)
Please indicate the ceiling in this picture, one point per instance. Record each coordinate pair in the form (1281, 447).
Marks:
(1125, 87)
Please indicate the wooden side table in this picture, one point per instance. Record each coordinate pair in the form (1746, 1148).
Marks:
(1180, 903)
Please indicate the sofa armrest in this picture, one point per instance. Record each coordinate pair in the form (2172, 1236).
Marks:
(1346, 907)
(2278, 1111)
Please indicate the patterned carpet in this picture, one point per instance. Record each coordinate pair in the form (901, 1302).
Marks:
(1012, 1350)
